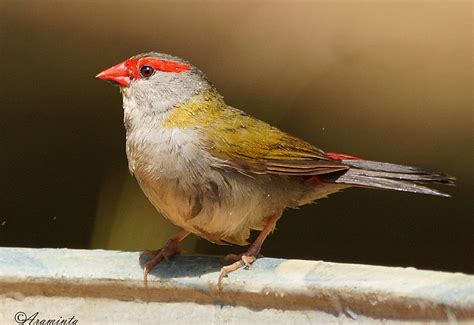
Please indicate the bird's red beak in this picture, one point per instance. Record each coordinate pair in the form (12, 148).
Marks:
(118, 73)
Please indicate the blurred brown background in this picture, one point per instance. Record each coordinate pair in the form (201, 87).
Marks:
(387, 80)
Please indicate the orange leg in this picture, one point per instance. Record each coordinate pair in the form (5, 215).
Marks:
(247, 258)
(171, 248)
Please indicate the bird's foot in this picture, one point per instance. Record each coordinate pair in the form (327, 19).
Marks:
(171, 248)
(237, 257)
(240, 260)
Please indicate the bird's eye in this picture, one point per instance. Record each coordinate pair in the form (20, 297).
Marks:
(146, 71)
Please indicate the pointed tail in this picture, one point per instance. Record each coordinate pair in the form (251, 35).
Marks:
(373, 174)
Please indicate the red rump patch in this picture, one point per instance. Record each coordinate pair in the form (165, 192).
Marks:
(134, 65)
(340, 156)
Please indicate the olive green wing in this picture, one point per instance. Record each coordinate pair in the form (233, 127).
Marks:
(246, 143)
(250, 145)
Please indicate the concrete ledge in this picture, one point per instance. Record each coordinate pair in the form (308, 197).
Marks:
(84, 282)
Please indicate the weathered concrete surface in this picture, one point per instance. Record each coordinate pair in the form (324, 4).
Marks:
(97, 286)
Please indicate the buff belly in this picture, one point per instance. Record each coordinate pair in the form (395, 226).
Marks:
(199, 194)
(228, 209)
(218, 209)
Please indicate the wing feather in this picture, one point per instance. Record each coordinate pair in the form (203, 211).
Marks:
(247, 144)
(251, 145)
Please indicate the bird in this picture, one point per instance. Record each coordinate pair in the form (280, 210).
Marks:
(217, 172)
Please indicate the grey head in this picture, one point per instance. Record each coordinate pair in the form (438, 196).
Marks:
(156, 82)
(161, 82)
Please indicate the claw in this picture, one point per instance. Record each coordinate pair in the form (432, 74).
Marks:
(248, 260)
(171, 248)
(242, 261)
(150, 265)
(252, 253)
(228, 269)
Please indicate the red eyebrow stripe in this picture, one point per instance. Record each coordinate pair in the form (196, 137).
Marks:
(134, 65)
(163, 65)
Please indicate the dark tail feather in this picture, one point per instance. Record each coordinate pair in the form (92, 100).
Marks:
(388, 176)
